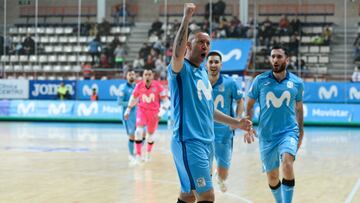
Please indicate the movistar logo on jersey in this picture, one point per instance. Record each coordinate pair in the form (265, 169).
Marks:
(54, 109)
(84, 110)
(201, 88)
(24, 109)
(148, 99)
(87, 91)
(219, 99)
(328, 94)
(354, 93)
(277, 102)
(115, 91)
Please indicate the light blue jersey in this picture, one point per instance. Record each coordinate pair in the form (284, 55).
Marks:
(192, 104)
(277, 102)
(225, 91)
(126, 90)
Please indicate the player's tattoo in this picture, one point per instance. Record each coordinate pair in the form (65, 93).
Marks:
(179, 40)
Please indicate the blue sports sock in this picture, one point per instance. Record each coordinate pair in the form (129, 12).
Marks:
(276, 191)
(131, 147)
(288, 190)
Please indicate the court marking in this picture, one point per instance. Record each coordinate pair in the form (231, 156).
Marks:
(353, 192)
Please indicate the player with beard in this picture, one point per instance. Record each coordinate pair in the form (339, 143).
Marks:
(147, 95)
(126, 90)
(281, 124)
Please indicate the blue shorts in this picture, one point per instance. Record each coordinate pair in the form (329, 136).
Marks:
(223, 152)
(130, 124)
(271, 151)
(193, 160)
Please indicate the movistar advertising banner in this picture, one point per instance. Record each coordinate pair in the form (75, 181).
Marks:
(106, 89)
(47, 89)
(236, 53)
(332, 92)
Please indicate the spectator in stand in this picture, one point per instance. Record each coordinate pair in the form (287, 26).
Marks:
(156, 28)
(29, 45)
(139, 62)
(357, 48)
(283, 25)
(224, 27)
(95, 49)
(94, 95)
(219, 10)
(294, 44)
(295, 26)
(168, 53)
(87, 70)
(93, 32)
(104, 61)
(356, 75)
(104, 28)
(327, 35)
(160, 67)
(150, 61)
(120, 12)
(193, 26)
(145, 51)
(120, 55)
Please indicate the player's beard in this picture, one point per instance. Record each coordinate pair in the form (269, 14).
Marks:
(280, 68)
(131, 80)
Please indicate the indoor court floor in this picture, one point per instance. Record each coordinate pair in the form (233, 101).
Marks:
(88, 163)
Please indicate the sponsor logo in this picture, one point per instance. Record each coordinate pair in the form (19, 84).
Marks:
(201, 87)
(290, 84)
(267, 83)
(24, 109)
(111, 109)
(201, 182)
(87, 91)
(53, 109)
(84, 110)
(219, 99)
(236, 53)
(354, 93)
(148, 99)
(330, 113)
(325, 94)
(49, 89)
(277, 102)
(115, 91)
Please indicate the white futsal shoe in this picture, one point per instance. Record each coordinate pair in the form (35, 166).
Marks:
(221, 183)
(132, 161)
(147, 157)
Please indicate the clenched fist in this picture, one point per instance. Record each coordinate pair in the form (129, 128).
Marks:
(189, 9)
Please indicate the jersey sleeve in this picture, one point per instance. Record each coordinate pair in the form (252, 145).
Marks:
(120, 97)
(254, 89)
(299, 96)
(236, 90)
(136, 91)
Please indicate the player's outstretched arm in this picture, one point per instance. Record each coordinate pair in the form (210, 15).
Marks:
(243, 123)
(300, 121)
(131, 104)
(179, 46)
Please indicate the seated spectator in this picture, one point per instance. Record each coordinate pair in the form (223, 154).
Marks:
(29, 45)
(104, 61)
(327, 35)
(283, 25)
(104, 28)
(87, 71)
(120, 55)
(356, 75)
(95, 49)
(139, 63)
(156, 27)
(219, 10)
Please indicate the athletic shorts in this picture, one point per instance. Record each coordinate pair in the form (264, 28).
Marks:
(193, 160)
(147, 118)
(271, 151)
(130, 124)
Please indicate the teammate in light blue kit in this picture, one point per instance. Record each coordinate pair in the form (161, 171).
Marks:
(225, 92)
(126, 90)
(280, 130)
(193, 113)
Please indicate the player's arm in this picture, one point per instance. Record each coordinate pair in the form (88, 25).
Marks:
(165, 104)
(239, 107)
(300, 121)
(243, 123)
(132, 102)
(179, 46)
(249, 136)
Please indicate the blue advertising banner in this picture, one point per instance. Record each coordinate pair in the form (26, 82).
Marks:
(47, 89)
(106, 89)
(332, 92)
(236, 53)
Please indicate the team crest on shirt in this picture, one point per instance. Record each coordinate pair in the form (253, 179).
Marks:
(201, 182)
(153, 89)
(290, 84)
(221, 88)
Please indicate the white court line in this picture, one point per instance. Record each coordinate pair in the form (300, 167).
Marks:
(353, 191)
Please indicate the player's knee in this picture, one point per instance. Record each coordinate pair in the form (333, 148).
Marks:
(287, 167)
(150, 138)
(132, 137)
(207, 196)
(186, 197)
(138, 133)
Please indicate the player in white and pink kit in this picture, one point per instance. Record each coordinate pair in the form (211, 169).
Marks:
(148, 94)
